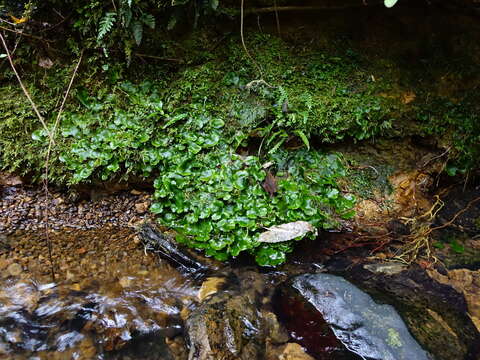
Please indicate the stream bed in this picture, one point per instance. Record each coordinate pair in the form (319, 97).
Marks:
(97, 305)
(112, 296)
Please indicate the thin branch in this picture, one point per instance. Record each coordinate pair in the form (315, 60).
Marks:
(303, 8)
(35, 109)
(277, 18)
(24, 34)
(243, 40)
(159, 57)
(452, 220)
(47, 162)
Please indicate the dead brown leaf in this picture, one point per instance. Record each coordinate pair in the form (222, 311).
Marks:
(270, 184)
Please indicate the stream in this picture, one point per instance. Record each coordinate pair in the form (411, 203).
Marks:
(92, 313)
(115, 296)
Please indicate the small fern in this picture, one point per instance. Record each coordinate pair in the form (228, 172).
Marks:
(148, 20)
(106, 24)
(137, 30)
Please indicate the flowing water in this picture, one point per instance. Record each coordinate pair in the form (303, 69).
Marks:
(97, 307)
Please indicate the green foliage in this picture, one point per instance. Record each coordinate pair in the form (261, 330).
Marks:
(364, 181)
(458, 125)
(18, 153)
(212, 196)
(313, 93)
(307, 94)
(215, 201)
(106, 24)
(114, 26)
(105, 138)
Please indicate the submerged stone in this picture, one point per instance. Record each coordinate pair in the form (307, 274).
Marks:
(365, 328)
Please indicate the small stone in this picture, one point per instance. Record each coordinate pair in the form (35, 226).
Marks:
(141, 207)
(4, 263)
(209, 287)
(184, 313)
(75, 287)
(293, 351)
(136, 240)
(135, 192)
(125, 281)
(14, 269)
(69, 275)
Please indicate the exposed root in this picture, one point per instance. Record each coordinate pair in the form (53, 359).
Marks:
(259, 69)
(418, 243)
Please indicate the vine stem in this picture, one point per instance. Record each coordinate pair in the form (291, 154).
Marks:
(47, 162)
(243, 39)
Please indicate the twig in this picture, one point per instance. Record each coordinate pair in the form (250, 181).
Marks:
(57, 24)
(47, 162)
(437, 157)
(35, 109)
(243, 39)
(24, 34)
(159, 58)
(277, 19)
(302, 8)
(448, 223)
(363, 167)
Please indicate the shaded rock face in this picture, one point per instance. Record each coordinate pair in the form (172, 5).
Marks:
(466, 282)
(365, 328)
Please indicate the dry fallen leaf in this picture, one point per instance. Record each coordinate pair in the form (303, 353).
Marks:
(45, 63)
(285, 232)
(408, 97)
(270, 184)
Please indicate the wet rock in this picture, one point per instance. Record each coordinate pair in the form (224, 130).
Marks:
(226, 327)
(365, 328)
(232, 324)
(277, 333)
(386, 268)
(466, 282)
(210, 286)
(436, 314)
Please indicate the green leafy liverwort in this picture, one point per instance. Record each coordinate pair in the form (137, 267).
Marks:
(204, 190)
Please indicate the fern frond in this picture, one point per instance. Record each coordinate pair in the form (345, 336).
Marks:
(148, 20)
(137, 30)
(106, 24)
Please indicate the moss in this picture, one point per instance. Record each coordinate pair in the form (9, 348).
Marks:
(394, 338)
(313, 92)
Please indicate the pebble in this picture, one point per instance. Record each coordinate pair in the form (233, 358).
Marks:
(24, 209)
(14, 269)
(125, 281)
(4, 263)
